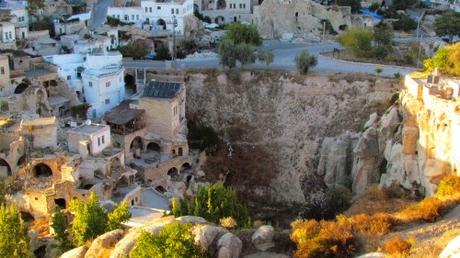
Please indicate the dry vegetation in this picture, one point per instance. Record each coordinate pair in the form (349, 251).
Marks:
(366, 230)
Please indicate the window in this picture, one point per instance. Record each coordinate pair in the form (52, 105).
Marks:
(126, 17)
(146, 9)
(2, 70)
(6, 35)
(158, 7)
(137, 17)
(107, 101)
(177, 10)
(98, 141)
(172, 10)
(107, 84)
(150, 9)
(132, 17)
(69, 77)
(103, 139)
(90, 84)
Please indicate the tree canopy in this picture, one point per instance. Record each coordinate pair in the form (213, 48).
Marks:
(448, 24)
(34, 5)
(136, 49)
(230, 53)
(243, 33)
(213, 203)
(174, 240)
(446, 60)
(117, 216)
(60, 225)
(266, 56)
(14, 241)
(358, 40)
(304, 61)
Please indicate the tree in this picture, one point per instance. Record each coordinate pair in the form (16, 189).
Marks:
(405, 23)
(358, 40)
(354, 4)
(446, 60)
(213, 203)
(230, 53)
(243, 33)
(304, 61)
(266, 56)
(14, 241)
(383, 35)
(90, 219)
(136, 49)
(34, 5)
(60, 225)
(119, 215)
(448, 24)
(163, 53)
(175, 240)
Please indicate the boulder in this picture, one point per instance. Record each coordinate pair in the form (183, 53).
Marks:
(263, 237)
(125, 245)
(191, 219)
(452, 250)
(78, 252)
(229, 246)
(372, 255)
(205, 235)
(104, 243)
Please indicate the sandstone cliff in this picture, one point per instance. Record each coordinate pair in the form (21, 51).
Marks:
(283, 133)
(412, 145)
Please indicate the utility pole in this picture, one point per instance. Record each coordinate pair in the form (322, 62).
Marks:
(174, 41)
(324, 31)
(419, 36)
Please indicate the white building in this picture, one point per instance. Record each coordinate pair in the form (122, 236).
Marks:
(452, 4)
(226, 11)
(89, 137)
(8, 35)
(97, 78)
(158, 15)
(20, 17)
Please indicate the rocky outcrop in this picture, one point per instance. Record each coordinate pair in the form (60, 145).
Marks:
(78, 252)
(263, 238)
(274, 18)
(452, 249)
(283, 132)
(229, 246)
(104, 243)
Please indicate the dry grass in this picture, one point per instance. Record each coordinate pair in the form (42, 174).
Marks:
(397, 246)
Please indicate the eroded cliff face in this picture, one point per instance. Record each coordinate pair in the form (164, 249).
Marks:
(413, 145)
(285, 135)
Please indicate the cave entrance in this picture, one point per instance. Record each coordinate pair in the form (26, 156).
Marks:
(60, 202)
(42, 170)
(130, 84)
(5, 169)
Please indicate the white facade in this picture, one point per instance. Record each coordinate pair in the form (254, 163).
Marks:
(21, 17)
(226, 11)
(95, 136)
(8, 32)
(156, 13)
(97, 78)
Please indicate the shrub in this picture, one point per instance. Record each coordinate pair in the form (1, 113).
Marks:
(243, 33)
(228, 222)
(230, 53)
(397, 245)
(266, 56)
(378, 70)
(397, 76)
(304, 61)
(213, 203)
(358, 40)
(60, 225)
(136, 49)
(429, 209)
(445, 59)
(174, 240)
(119, 215)
(405, 23)
(376, 224)
(449, 186)
(322, 239)
(202, 137)
(448, 24)
(14, 241)
(383, 34)
(162, 53)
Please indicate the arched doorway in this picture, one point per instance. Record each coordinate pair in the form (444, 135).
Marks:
(42, 170)
(219, 20)
(21, 161)
(60, 202)
(185, 166)
(161, 23)
(137, 145)
(221, 4)
(21, 88)
(130, 84)
(5, 169)
(173, 173)
(154, 147)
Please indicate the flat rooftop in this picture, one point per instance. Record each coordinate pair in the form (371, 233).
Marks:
(162, 89)
(88, 129)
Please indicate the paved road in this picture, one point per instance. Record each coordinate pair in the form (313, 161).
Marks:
(284, 55)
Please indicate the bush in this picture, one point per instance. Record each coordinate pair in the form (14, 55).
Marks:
(162, 53)
(14, 241)
(119, 215)
(60, 225)
(213, 203)
(449, 186)
(323, 239)
(448, 24)
(266, 56)
(304, 61)
(358, 40)
(230, 53)
(174, 240)
(202, 137)
(136, 50)
(446, 60)
(405, 23)
(376, 224)
(428, 210)
(228, 222)
(397, 245)
(242, 33)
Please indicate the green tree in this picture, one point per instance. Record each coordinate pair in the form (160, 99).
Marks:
(230, 53)
(448, 24)
(304, 61)
(60, 225)
(266, 56)
(354, 4)
(439, 60)
(405, 23)
(136, 49)
(90, 219)
(34, 5)
(213, 203)
(119, 215)
(14, 241)
(162, 53)
(243, 33)
(383, 34)
(175, 240)
(358, 40)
